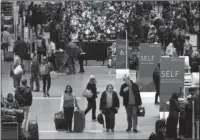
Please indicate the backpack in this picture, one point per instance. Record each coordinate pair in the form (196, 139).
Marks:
(44, 69)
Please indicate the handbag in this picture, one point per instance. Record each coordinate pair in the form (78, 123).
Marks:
(141, 111)
(18, 70)
(87, 93)
(53, 74)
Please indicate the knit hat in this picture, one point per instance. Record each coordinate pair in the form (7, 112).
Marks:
(92, 77)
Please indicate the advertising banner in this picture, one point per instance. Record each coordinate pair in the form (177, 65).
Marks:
(150, 55)
(121, 54)
(171, 79)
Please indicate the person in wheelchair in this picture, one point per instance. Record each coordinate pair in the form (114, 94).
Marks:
(10, 102)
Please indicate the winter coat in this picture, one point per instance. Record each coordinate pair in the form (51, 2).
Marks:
(23, 96)
(136, 93)
(103, 100)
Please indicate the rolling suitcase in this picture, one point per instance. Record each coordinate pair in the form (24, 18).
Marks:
(8, 56)
(79, 121)
(33, 130)
(59, 121)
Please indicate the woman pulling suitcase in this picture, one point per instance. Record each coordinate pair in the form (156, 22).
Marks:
(68, 102)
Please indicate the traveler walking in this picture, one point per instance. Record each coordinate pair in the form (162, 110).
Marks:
(5, 40)
(109, 106)
(72, 51)
(156, 80)
(172, 120)
(131, 100)
(92, 101)
(23, 96)
(34, 73)
(45, 69)
(68, 102)
(16, 77)
(41, 46)
(52, 52)
(20, 48)
(81, 54)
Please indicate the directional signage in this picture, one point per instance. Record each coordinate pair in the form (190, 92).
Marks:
(121, 54)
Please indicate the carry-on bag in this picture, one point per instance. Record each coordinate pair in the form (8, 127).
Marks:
(59, 121)
(159, 123)
(87, 93)
(140, 111)
(33, 129)
(79, 121)
(8, 56)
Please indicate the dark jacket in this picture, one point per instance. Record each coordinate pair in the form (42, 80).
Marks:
(35, 66)
(93, 88)
(23, 96)
(174, 107)
(115, 101)
(136, 93)
(156, 76)
(21, 48)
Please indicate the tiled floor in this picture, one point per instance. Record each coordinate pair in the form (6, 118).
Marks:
(44, 108)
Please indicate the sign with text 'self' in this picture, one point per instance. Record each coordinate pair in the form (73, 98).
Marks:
(121, 54)
(150, 55)
(171, 79)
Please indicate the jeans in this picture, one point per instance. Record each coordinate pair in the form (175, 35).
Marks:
(17, 80)
(46, 79)
(68, 115)
(71, 65)
(35, 78)
(26, 112)
(110, 118)
(131, 111)
(91, 105)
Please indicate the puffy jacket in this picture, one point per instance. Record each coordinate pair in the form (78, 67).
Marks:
(23, 96)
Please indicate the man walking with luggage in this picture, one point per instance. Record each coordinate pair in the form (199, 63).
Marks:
(34, 73)
(23, 96)
(131, 100)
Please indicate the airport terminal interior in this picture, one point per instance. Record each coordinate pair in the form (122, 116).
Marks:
(56, 44)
